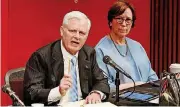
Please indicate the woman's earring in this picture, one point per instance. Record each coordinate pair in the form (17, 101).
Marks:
(110, 24)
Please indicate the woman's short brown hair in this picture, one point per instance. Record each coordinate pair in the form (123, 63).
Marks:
(118, 8)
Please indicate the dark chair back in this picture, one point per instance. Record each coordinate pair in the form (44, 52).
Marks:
(14, 80)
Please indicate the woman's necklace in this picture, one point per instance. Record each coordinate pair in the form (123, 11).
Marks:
(123, 55)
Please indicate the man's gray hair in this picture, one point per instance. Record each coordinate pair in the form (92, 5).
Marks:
(78, 15)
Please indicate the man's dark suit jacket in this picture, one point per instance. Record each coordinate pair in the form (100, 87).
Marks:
(45, 69)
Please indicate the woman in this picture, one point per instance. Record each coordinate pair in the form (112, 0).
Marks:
(125, 52)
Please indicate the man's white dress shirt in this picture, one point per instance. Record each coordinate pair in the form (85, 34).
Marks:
(54, 94)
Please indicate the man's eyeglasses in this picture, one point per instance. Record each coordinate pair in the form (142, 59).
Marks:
(120, 20)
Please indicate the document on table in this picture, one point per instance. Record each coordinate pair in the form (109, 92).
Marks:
(81, 104)
(156, 101)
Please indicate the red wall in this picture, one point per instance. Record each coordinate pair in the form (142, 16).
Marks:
(30, 24)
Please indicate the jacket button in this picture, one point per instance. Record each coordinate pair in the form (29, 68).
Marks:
(86, 66)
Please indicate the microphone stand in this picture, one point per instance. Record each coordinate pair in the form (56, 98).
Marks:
(16, 101)
(117, 83)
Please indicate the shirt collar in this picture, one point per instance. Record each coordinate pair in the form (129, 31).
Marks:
(66, 54)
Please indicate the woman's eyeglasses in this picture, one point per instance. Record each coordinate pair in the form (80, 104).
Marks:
(120, 20)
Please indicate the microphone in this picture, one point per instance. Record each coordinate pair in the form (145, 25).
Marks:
(6, 89)
(109, 61)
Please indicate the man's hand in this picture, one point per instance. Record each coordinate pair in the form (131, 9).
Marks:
(93, 98)
(178, 75)
(65, 84)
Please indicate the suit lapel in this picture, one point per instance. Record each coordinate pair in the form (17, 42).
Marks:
(84, 71)
(57, 62)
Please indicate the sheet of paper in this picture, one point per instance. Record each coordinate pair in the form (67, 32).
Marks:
(104, 104)
(81, 104)
(156, 101)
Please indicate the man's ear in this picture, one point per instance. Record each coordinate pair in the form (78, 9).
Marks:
(61, 30)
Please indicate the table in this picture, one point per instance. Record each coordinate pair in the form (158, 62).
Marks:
(144, 88)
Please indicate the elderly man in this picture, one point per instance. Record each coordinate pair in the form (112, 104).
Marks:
(66, 70)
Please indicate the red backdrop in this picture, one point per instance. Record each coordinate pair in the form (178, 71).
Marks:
(30, 24)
